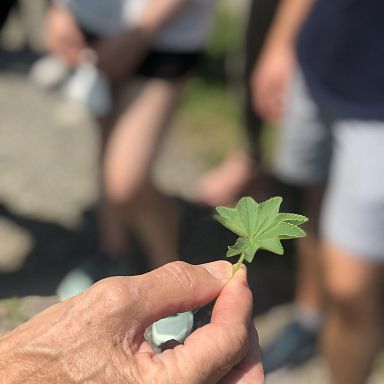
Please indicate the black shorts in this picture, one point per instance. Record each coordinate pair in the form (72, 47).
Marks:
(160, 64)
(168, 65)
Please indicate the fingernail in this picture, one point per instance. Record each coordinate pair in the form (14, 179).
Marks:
(221, 270)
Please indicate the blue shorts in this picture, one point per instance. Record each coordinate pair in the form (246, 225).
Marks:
(349, 154)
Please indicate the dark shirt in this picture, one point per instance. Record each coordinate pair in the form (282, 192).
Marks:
(341, 52)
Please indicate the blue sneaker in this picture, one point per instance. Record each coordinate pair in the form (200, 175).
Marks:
(92, 269)
(293, 346)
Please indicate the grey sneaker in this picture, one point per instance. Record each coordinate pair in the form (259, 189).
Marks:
(293, 346)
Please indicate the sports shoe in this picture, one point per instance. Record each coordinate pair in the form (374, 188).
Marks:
(87, 86)
(88, 272)
(293, 346)
(49, 72)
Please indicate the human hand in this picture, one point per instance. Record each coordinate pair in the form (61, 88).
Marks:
(269, 82)
(63, 36)
(97, 336)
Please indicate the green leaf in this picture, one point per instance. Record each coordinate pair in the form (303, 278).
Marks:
(250, 251)
(273, 245)
(282, 231)
(230, 218)
(248, 212)
(245, 247)
(268, 210)
(259, 226)
(292, 218)
(238, 248)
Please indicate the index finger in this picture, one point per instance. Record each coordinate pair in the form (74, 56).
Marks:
(213, 350)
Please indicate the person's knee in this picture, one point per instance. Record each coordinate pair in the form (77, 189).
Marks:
(121, 191)
(354, 300)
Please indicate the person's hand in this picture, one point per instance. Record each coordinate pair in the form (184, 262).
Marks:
(97, 336)
(269, 82)
(63, 36)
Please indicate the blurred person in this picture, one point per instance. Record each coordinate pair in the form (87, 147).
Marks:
(272, 58)
(152, 47)
(98, 336)
(332, 132)
(270, 80)
(232, 178)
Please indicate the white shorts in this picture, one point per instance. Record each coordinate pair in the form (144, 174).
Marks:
(314, 147)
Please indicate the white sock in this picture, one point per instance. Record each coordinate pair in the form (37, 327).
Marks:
(309, 318)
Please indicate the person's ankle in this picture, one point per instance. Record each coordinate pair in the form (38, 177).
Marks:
(310, 319)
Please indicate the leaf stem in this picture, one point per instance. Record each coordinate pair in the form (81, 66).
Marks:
(236, 266)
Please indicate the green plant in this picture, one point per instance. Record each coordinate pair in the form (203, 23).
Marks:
(259, 226)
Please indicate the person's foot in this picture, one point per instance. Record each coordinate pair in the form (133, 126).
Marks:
(293, 346)
(49, 72)
(92, 269)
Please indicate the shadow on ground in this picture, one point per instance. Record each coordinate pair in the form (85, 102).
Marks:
(56, 249)
(17, 61)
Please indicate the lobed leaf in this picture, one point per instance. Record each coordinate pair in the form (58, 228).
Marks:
(272, 245)
(259, 226)
(267, 214)
(292, 218)
(247, 209)
(230, 218)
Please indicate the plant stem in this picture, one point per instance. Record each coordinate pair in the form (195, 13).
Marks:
(237, 265)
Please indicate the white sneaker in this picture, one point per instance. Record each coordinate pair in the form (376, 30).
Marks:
(90, 88)
(75, 282)
(49, 72)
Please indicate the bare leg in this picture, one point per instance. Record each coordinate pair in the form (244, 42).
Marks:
(112, 228)
(155, 218)
(353, 333)
(130, 152)
(309, 290)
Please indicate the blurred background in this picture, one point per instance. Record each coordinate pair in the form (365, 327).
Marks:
(49, 150)
(49, 176)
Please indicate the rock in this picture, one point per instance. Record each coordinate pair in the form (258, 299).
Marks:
(15, 245)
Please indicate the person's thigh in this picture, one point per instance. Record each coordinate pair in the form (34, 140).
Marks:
(304, 141)
(134, 140)
(355, 284)
(353, 207)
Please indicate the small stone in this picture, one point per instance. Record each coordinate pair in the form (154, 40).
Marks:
(15, 246)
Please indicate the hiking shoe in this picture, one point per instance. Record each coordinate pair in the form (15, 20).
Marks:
(293, 346)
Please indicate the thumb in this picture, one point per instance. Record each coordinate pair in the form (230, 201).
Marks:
(179, 287)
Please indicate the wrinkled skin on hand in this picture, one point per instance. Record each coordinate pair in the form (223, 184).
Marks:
(97, 336)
